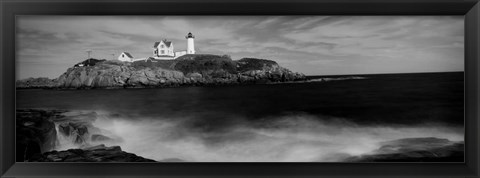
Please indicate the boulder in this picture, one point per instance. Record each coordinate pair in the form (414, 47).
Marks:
(78, 133)
(77, 126)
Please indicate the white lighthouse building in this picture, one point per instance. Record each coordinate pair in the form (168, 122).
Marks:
(190, 43)
(163, 50)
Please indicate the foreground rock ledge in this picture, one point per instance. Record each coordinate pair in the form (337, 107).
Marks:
(427, 149)
(36, 136)
(99, 153)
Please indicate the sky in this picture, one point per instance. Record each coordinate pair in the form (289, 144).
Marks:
(313, 45)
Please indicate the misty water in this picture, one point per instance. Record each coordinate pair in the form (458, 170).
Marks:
(323, 120)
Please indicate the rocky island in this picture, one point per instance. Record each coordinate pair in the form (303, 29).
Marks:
(187, 70)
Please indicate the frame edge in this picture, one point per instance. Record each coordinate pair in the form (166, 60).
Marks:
(472, 65)
(472, 30)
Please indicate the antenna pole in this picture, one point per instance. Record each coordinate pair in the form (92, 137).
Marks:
(89, 52)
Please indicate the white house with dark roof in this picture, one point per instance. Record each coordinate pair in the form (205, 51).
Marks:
(163, 50)
(126, 57)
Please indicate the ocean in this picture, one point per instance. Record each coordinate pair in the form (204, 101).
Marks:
(324, 119)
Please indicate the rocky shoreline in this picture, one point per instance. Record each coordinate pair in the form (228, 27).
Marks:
(37, 138)
(415, 150)
(39, 130)
(190, 70)
(99, 153)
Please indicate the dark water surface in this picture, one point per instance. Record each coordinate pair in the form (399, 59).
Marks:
(379, 99)
(273, 122)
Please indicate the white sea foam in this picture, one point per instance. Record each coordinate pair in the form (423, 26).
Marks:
(293, 138)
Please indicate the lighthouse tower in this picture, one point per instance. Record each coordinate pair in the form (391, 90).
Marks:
(190, 43)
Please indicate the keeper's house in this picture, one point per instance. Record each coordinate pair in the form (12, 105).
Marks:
(163, 50)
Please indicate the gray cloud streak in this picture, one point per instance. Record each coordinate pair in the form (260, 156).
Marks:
(315, 45)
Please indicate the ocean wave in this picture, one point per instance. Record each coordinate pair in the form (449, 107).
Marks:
(290, 138)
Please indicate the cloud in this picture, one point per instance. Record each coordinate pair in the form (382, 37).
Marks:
(310, 44)
(381, 35)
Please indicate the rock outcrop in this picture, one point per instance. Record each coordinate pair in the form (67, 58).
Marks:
(41, 82)
(99, 153)
(35, 132)
(76, 128)
(37, 136)
(187, 70)
(415, 150)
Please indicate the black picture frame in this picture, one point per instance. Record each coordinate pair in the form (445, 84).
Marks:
(469, 8)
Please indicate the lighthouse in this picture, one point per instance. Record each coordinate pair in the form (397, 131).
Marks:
(190, 43)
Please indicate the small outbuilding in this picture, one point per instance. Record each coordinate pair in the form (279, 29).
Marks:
(126, 57)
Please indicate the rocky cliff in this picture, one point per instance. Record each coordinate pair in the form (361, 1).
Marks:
(186, 70)
(38, 138)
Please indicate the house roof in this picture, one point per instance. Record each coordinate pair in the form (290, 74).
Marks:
(156, 44)
(167, 43)
(128, 54)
